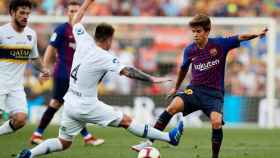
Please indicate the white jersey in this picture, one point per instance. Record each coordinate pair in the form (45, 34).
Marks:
(90, 64)
(15, 51)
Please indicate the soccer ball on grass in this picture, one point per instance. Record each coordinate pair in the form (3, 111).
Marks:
(149, 152)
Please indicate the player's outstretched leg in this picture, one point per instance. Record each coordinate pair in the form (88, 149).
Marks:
(175, 106)
(146, 131)
(90, 139)
(46, 147)
(16, 122)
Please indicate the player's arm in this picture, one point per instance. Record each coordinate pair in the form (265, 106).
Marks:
(182, 72)
(134, 73)
(80, 14)
(48, 56)
(181, 76)
(245, 37)
(44, 73)
(36, 61)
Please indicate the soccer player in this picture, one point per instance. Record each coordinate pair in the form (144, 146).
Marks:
(18, 44)
(206, 90)
(91, 62)
(61, 43)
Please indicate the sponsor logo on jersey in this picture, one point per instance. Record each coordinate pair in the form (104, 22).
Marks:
(21, 52)
(206, 66)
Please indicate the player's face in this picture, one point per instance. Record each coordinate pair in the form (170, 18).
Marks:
(199, 34)
(20, 16)
(72, 10)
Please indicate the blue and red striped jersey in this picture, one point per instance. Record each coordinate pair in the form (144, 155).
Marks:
(208, 64)
(63, 40)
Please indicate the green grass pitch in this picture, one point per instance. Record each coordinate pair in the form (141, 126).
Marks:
(195, 143)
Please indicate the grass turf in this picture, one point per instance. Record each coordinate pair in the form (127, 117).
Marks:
(195, 143)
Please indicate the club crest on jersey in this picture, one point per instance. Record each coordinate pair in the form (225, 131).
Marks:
(188, 91)
(29, 37)
(80, 31)
(116, 61)
(213, 52)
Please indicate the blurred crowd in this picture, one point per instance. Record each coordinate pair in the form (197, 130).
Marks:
(160, 54)
(156, 54)
(163, 7)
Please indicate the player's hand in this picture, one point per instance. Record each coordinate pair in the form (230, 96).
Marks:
(263, 32)
(44, 76)
(161, 79)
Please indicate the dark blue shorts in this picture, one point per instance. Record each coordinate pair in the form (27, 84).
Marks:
(60, 87)
(202, 98)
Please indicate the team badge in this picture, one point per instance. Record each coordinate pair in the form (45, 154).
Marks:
(63, 128)
(80, 31)
(188, 91)
(29, 37)
(115, 61)
(213, 52)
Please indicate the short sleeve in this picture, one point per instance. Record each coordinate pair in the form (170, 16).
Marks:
(56, 38)
(230, 42)
(80, 34)
(186, 61)
(113, 64)
(34, 54)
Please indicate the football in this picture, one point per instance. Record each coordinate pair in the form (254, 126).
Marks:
(149, 152)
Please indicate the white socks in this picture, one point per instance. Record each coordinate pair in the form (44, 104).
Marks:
(48, 146)
(147, 131)
(6, 128)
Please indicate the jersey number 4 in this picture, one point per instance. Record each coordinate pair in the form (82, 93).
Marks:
(75, 72)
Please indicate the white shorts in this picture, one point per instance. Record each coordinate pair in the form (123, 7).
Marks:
(74, 118)
(14, 101)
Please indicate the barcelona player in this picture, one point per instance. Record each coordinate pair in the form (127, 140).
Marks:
(206, 89)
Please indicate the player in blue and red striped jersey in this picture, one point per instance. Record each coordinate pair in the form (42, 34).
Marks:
(62, 43)
(206, 89)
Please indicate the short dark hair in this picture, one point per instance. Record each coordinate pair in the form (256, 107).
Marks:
(74, 2)
(103, 31)
(201, 20)
(14, 4)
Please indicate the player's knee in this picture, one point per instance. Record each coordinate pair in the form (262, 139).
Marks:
(55, 104)
(126, 121)
(65, 144)
(175, 106)
(172, 110)
(19, 120)
(216, 120)
(216, 123)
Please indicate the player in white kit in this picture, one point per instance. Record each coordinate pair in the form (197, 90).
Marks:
(18, 45)
(91, 62)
